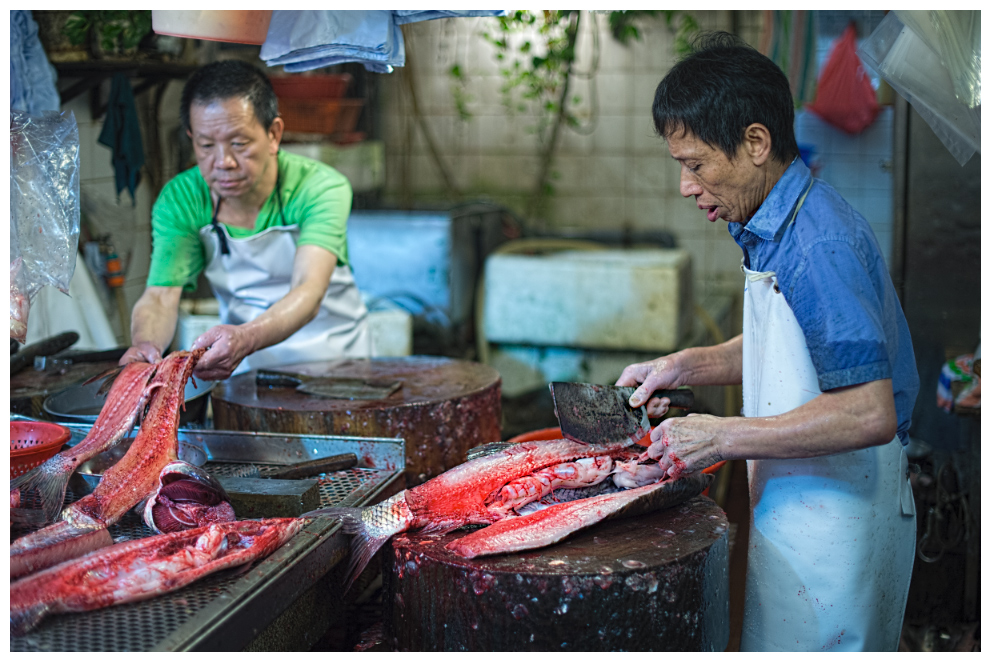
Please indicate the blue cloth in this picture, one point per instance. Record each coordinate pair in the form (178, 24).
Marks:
(32, 78)
(832, 274)
(311, 39)
(122, 134)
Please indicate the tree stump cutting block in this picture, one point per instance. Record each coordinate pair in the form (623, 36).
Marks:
(442, 408)
(659, 582)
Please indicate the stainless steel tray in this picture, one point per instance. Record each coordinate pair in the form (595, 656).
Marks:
(226, 611)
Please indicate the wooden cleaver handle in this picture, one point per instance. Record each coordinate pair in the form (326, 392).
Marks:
(681, 398)
(319, 466)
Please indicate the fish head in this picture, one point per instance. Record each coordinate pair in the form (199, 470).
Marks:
(187, 496)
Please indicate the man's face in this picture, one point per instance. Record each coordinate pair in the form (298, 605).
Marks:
(728, 189)
(233, 150)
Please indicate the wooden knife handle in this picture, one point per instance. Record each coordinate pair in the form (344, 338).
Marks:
(681, 398)
(319, 466)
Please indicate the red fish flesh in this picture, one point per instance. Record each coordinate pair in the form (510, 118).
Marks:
(141, 569)
(134, 478)
(187, 497)
(125, 401)
(513, 483)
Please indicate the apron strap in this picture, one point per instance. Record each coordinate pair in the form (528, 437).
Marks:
(221, 235)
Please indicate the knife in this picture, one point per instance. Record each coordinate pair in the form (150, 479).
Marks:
(601, 415)
(340, 388)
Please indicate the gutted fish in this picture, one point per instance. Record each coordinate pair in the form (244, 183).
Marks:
(133, 479)
(187, 497)
(141, 569)
(501, 483)
(553, 523)
(126, 400)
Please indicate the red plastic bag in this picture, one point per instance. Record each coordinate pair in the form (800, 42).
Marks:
(845, 97)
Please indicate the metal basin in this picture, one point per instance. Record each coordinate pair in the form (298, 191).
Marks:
(89, 473)
(82, 404)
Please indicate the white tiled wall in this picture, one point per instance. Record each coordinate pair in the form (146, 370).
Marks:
(620, 175)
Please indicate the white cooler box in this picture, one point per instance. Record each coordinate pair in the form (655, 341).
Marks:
(609, 299)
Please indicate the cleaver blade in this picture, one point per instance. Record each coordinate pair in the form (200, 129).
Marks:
(601, 415)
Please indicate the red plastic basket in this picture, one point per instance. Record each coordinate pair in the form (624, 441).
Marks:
(33, 442)
(547, 434)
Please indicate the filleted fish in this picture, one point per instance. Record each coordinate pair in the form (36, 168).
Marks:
(519, 489)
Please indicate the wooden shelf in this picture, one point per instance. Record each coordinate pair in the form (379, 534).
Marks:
(94, 72)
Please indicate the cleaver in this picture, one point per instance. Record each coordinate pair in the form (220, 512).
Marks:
(601, 415)
(339, 388)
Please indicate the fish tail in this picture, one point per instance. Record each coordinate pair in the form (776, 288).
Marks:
(47, 484)
(371, 528)
(26, 618)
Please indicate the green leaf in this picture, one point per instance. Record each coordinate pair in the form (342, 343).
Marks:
(76, 29)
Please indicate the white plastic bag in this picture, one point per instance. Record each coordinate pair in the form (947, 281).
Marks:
(903, 57)
(44, 208)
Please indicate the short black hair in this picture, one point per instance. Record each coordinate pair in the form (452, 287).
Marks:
(229, 79)
(722, 87)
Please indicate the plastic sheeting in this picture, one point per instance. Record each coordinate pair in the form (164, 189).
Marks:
(311, 39)
(912, 64)
(44, 208)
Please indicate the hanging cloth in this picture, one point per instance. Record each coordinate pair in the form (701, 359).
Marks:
(788, 38)
(122, 134)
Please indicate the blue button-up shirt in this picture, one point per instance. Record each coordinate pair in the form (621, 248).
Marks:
(833, 276)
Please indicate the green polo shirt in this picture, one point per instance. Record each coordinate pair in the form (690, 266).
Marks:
(315, 197)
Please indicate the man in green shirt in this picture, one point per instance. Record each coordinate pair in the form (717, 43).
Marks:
(267, 228)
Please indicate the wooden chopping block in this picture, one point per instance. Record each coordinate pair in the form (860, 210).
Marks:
(658, 582)
(443, 407)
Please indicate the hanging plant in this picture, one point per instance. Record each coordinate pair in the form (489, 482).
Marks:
(115, 32)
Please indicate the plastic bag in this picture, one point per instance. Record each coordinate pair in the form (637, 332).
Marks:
(845, 97)
(956, 37)
(44, 208)
(905, 59)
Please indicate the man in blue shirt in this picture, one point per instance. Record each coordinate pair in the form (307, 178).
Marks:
(825, 360)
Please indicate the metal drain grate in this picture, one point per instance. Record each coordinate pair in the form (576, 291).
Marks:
(143, 625)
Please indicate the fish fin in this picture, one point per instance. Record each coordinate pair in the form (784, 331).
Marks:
(487, 449)
(23, 621)
(47, 483)
(363, 545)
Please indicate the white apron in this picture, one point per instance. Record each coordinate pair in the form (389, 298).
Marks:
(257, 271)
(832, 539)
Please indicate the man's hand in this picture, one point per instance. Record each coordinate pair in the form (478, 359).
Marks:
(228, 344)
(142, 351)
(662, 373)
(687, 444)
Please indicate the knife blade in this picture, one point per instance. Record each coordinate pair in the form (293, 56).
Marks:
(601, 415)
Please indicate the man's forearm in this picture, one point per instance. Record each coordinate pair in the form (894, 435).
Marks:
(714, 365)
(154, 317)
(285, 316)
(836, 421)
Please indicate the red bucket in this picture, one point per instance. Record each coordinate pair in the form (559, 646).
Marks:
(548, 434)
(33, 442)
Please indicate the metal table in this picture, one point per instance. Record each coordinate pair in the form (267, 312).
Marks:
(227, 610)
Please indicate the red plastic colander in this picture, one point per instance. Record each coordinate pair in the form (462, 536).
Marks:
(33, 442)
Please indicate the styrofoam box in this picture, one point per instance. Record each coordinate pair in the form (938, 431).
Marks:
(609, 299)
